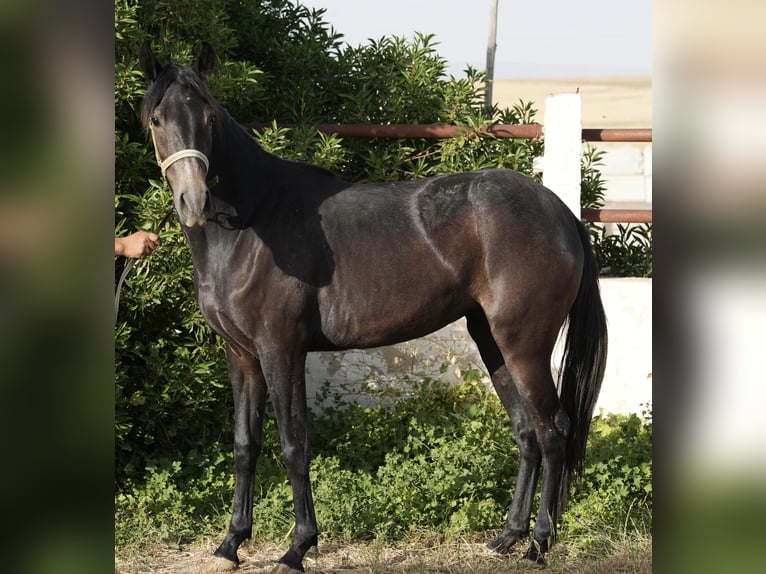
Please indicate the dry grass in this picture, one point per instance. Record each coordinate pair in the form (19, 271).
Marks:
(422, 554)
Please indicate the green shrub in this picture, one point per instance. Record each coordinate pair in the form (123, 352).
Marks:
(626, 253)
(429, 455)
(436, 453)
(615, 493)
(592, 186)
(174, 501)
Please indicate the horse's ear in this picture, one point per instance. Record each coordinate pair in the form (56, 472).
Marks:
(205, 61)
(150, 66)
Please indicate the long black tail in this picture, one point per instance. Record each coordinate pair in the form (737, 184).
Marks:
(584, 360)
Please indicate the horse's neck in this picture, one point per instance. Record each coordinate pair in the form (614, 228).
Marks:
(254, 187)
(234, 167)
(235, 150)
(235, 196)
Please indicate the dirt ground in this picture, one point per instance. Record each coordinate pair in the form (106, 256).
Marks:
(431, 555)
(333, 558)
(606, 102)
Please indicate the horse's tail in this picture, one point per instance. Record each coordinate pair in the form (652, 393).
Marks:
(583, 362)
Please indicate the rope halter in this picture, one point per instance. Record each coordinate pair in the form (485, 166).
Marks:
(174, 157)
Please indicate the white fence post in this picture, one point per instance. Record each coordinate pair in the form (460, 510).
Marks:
(563, 147)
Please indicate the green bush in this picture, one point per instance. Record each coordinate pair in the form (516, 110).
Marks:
(614, 497)
(429, 455)
(626, 253)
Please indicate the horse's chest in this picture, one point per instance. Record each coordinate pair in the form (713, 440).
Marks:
(227, 317)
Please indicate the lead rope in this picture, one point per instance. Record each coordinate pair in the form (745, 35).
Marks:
(130, 265)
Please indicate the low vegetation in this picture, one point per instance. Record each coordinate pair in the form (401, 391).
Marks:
(427, 456)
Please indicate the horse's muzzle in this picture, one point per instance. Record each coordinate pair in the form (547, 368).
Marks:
(195, 222)
(193, 208)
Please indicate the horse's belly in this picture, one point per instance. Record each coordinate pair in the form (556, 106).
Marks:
(383, 316)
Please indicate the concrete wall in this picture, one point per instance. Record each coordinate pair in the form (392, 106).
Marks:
(627, 383)
(628, 379)
(627, 173)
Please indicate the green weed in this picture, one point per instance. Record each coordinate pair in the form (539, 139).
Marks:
(440, 458)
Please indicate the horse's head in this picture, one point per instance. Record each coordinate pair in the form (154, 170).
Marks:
(180, 112)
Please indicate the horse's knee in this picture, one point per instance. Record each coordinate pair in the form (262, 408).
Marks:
(295, 458)
(246, 455)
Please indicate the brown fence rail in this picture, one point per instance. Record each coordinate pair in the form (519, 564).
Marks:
(523, 131)
(616, 215)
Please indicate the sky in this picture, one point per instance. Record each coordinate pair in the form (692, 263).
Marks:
(535, 38)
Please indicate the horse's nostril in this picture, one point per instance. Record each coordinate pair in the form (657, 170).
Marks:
(198, 203)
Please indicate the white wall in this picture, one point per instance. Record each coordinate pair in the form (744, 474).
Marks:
(627, 173)
(628, 379)
(627, 384)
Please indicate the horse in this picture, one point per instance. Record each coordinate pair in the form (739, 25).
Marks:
(289, 259)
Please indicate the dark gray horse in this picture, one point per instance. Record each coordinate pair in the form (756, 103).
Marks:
(290, 259)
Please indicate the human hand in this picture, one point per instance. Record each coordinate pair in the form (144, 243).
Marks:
(136, 245)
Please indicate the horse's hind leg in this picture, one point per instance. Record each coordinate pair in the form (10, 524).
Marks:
(249, 389)
(541, 424)
(516, 526)
(534, 382)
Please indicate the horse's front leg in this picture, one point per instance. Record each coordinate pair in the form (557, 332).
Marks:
(249, 387)
(285, 375)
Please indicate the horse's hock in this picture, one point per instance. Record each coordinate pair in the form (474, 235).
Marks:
(627, 385)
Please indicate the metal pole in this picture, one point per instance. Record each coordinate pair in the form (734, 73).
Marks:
(448, 131)
(491, 47)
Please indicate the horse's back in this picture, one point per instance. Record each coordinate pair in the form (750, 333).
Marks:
(500, 196)
(412, 256)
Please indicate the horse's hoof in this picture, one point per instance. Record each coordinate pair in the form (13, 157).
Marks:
(533, 558)
(217, 564)
(502, 544)
(282, 568)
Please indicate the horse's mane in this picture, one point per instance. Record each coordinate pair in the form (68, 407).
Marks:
(172, 73)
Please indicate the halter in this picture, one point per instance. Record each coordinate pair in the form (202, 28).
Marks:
(174, 157)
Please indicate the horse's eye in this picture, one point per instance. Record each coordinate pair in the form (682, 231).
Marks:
(212, 120)
(154, 120)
